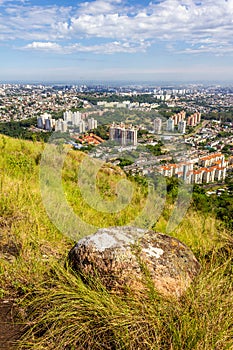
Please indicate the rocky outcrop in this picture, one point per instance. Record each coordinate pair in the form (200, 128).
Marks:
(124, 257)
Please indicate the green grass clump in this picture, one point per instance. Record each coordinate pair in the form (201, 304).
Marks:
(59, 311)
(64, 313)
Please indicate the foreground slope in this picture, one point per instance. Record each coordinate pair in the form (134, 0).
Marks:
(60, 311)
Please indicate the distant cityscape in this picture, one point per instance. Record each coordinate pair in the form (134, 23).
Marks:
(22, 101)
(196, 117)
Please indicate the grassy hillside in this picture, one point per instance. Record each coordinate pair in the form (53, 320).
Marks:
(59, 311)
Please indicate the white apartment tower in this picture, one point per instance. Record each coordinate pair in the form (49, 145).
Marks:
(64, 126)
(58, 126)
(82, 126)
(92, 123)
(76, 118)
(67, 116)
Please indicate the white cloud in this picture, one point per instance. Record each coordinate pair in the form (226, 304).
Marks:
(168, 20)
(218, 50)
(99, 7)
(208, 22)
(111, 47)
(33, 23)
(2, 2)
(43, 46)
(107, 48)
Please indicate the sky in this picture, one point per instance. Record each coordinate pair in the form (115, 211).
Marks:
(62, 41)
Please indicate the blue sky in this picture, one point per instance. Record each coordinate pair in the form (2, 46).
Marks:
(184, 40)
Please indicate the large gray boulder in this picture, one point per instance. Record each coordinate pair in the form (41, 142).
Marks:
(124, 257)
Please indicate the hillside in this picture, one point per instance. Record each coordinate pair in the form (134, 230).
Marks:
(59, 311)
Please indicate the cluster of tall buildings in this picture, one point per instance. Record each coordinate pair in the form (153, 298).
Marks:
(46, 122)
(74, 120)
(194, 119)
(170, 127)
(124, 135)
(178, 117)
(179, 120)
(92, 123)
(210, 168)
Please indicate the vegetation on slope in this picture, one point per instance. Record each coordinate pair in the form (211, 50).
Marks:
(60, 311)
(22, 129)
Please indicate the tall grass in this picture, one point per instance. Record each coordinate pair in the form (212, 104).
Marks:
(61, 312)
(64, 313)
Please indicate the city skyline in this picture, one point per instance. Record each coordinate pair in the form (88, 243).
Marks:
(116, 40)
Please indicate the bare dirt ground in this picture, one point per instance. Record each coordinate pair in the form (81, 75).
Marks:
(10, 331)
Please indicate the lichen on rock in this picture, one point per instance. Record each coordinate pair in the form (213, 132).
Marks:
(120, 255)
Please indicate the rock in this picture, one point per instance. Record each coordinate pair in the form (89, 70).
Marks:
(122, 257)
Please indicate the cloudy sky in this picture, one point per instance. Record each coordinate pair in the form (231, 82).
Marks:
(60, 40)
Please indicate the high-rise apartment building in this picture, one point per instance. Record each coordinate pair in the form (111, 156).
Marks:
(170, 125)
(182, 126)
(178, 117)
(92, 124)
(58, 126)
(73, 118)
(45, 121)
(48, 124)
(194, 119)
(157, 125)
(131, 136)
(67, 115)
(40, 123)
(76, 118)
(122, 134)
(82, 126)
